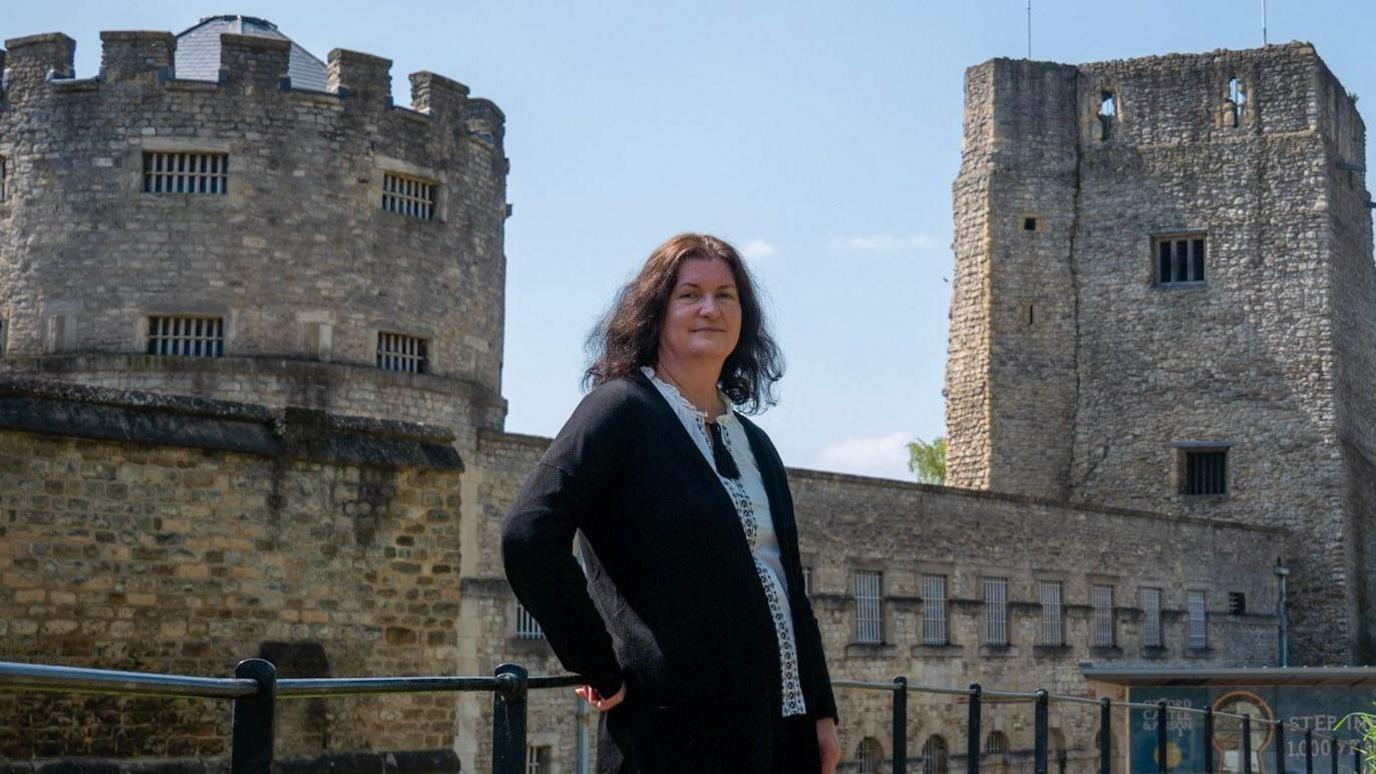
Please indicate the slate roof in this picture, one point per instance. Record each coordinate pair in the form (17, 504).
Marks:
(198, 50)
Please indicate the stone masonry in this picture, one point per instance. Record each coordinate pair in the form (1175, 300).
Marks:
(181, 535)
(1075, 373)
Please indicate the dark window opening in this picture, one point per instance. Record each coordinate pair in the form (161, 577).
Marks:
(1206, 473)
(1180, 259)
(1108, 111)
(1237, 603)
(1029, 224)
(1031, 314)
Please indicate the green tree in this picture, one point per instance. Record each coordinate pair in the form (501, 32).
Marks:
(928, 460)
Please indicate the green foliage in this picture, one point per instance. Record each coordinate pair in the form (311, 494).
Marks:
(928, 460)
(1364, 723)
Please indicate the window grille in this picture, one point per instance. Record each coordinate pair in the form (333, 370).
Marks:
(1180, 259)
(869, 606)
(409, 196)
(537, 759)
(527, 628)
(995, 611)
(1151, 619)
(1206, 473)
(1199, 619)
(188, 173)
(1102, 599)
(869, 756)
(934, 755)
(1237, 601)
(186, 336)
(399, 352)
(996, 743)
(1052, 625)
(934, 610)
(807, 580)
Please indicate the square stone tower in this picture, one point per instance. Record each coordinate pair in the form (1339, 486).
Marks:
(1165, 299)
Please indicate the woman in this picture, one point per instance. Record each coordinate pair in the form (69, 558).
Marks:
(691, 626)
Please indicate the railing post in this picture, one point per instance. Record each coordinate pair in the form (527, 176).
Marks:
(900, 725)
(1333, 754)
(1280, 746)
(1105, 736)
(1209, 739)
(254, 720)
(1162, 764)
(509, 720)
(1039, 731)
(1356, 759)
(1246, 743)
(1308, 751)
(972, 743)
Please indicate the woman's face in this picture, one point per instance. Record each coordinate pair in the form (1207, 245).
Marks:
(703, 317)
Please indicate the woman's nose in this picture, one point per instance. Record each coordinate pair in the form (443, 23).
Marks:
(709, 308)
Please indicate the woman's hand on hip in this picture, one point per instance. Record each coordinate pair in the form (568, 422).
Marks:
(590, 695)
(828, 744)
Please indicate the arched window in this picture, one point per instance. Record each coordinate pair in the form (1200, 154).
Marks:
(996, 743)
(1055, 750)
(934, 755)
(869, 756)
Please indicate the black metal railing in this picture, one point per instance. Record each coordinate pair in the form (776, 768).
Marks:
(255, 691)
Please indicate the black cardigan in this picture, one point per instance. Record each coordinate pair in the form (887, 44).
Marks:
(671, 602)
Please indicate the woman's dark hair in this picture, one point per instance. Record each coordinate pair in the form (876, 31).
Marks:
(627, 336)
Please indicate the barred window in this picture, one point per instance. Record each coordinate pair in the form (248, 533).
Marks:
(186, 173)
(869, 756)
(410, 196)
(527, 628)
(934, 610)
(934, 756)
(1237, 601)
(1102, 599)
(1199, 619)
(1179, 258)
(399, 352)
(1151, 619)
(1052, 624)
(1206, 472)
(537, 759)
(995, 611)
(869, 606)
(186, 336)
(996, 743)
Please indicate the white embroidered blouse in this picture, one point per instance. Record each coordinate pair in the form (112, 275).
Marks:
(752, 507)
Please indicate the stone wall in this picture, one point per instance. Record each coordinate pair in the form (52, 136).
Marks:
(1264, 358)
(298, 257)
(904, 530)
(179, 535)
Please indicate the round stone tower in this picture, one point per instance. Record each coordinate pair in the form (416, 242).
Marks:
(220, 214)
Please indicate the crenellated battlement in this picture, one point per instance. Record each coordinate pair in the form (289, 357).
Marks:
(279, 196)
(250, 65)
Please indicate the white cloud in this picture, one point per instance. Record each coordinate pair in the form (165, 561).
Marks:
(885, 456)
(758, 248)
(887, 243)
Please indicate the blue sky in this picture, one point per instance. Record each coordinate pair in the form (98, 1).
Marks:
(822, 138)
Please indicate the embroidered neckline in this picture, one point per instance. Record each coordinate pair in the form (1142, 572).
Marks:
(687, 405)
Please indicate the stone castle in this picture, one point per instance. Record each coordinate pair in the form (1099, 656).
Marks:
(1167, 262)
(250, 398)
